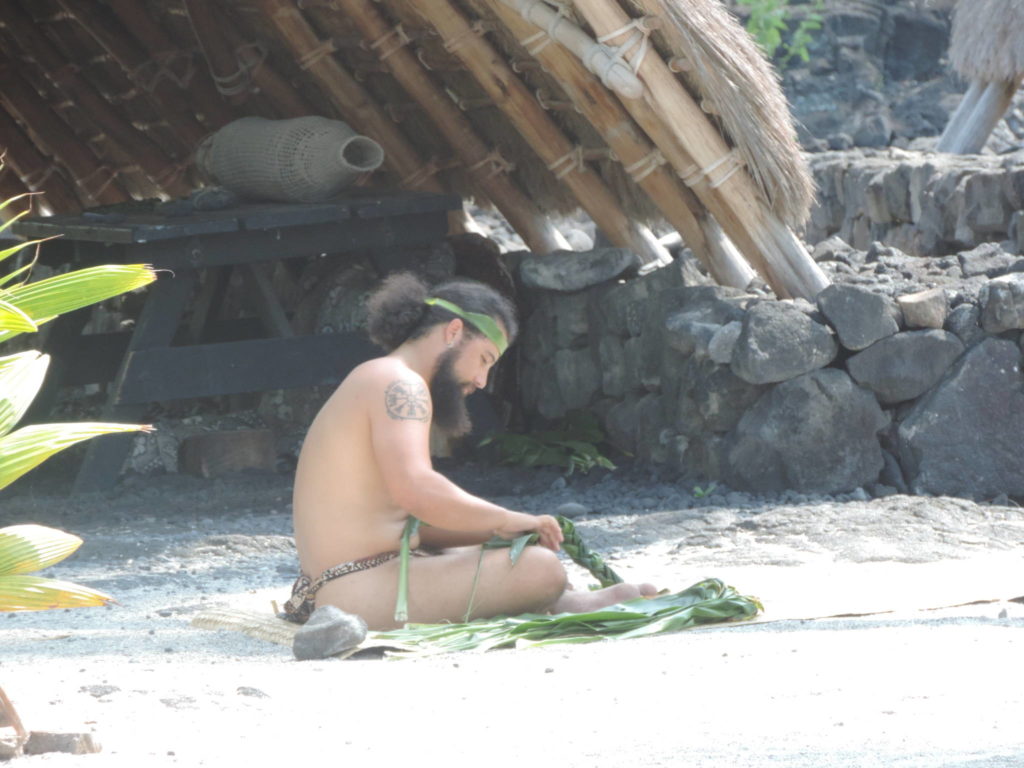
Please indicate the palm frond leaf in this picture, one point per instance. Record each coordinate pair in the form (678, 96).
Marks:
(21, 375)
(13, 318)
(29, 548)
(34, 593)
(45, 299)
(28, 447)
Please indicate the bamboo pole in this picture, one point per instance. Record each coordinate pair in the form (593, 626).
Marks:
(168, 101)
(37, 172)
(522, 213)
(161, 169)
(172, 62)
(700, 155)
(516, 101)
(641, 159)
(95, 181)
(986, 112)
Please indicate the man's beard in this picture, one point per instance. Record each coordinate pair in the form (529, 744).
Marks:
(449, 397)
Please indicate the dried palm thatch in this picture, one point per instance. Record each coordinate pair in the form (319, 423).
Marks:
(742, 92)
(988, 40)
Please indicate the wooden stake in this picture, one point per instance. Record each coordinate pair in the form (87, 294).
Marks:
(96, 182)
(37, 172)
(522, 213)
(959, 117)
(161, 169)
(518, 104)
(972, 133)
(700, 155)
(607, 115)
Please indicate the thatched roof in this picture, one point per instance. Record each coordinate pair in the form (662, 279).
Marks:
(107, 101)
(988, 40)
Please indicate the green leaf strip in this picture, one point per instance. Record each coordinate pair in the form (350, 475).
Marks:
(32, 593)
(29, 548)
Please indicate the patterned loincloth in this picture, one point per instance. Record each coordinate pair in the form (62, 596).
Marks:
(303, 600)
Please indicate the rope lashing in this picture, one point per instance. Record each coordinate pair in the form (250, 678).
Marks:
(161, 67)
(477, 29)
(426, 171)
(86, 181)
(397, 33)
(575, 160)
(241, 80)
(313, 55)
(645, 166)
(536, 43)
(730, 161)
(498, 164)
(639, 40)
(38, 178)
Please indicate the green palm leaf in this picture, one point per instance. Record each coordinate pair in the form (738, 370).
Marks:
(45, 299)
(29, 548)
(13, 319)
(21, 375)
(28, 447)
(34, 593)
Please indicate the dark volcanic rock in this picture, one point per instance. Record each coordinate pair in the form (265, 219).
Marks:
(778, 342)
(906, 365)
(816, 433)
(965, 437)
(569, 271)
(1002, 304)
(859, 316)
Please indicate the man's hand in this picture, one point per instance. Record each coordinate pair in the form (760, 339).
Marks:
(545, 526)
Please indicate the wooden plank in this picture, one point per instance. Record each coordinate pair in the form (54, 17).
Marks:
(155, 327)
(207, 370)
(269, 308)
(270, 245)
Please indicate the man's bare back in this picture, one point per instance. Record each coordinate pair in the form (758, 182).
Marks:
(365, 467)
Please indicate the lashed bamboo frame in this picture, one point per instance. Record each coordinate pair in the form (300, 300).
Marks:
(518, 104)
(408, 69)
(37, 173)
(637, 154)
(693, 146)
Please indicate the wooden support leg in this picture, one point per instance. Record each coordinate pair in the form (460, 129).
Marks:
(155, 327)
(960, 116)
(65, 330)
(988, 111)
(270, 310)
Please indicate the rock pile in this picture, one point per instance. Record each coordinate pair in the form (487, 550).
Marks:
(896, 379)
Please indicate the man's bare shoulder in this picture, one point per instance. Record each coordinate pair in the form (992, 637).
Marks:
(404, 392)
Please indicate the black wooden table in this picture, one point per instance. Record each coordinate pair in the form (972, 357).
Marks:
(159, 362)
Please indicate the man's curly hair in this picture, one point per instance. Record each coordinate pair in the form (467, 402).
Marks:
(398, 312)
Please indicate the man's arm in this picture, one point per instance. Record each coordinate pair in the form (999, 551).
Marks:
(400, 429)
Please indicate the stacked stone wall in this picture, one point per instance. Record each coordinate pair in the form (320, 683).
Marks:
(898, 384)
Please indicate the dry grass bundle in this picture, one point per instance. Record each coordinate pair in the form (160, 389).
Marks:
(988, 40)
(728, 71)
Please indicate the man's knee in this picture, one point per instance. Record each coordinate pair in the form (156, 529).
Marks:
(546, 573)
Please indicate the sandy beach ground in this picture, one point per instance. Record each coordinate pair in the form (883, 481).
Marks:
(930, 676)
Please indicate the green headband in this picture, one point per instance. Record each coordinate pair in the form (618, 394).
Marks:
(483, 323)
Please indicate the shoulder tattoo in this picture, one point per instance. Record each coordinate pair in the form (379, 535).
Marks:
(407, 400)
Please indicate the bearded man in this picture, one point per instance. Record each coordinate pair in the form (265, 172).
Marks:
(365, 467)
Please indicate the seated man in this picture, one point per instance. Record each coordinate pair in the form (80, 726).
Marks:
(365, 467)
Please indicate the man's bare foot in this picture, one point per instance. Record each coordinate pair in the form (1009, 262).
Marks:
(583, 601)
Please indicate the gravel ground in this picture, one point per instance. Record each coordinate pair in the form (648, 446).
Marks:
(814, 682)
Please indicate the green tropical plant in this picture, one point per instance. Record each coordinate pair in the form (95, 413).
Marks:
(709, 601)
(572, 445)
(769, 22)
(25, 549)
(24, 306)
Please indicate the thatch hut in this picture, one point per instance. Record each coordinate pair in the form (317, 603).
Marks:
(987, 50)
(647, 114)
